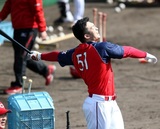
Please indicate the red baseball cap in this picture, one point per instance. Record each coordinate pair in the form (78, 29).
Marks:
(3, 110)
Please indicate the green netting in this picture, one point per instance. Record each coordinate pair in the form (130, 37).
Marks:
(1, 3)
(49, 2)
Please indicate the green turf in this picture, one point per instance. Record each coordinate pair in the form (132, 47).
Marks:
(49, 2)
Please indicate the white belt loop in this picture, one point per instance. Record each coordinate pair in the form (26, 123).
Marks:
(109, 98)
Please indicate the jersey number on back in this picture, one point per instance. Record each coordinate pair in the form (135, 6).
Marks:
(81, 58)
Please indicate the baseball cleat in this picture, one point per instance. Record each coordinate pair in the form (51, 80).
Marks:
(49, 78)
(13, 90)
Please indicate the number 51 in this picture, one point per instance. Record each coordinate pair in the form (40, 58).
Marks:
(83, 63)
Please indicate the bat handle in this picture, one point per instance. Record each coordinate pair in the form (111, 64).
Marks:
(68, 123)
(23, 85)
(30, 84)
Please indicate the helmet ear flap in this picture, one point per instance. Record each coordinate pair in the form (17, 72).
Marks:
(74, 72)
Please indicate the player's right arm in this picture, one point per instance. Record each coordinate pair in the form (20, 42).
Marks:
(118, 52)
(136, 53)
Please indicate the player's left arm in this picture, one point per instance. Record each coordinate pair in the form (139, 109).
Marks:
(136, 53)
(50, 56)
(64, 57)
(47, 56)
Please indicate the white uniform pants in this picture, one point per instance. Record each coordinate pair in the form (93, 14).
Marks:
(102, 114)
(79, 8)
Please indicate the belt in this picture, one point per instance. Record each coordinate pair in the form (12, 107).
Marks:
(106, 98)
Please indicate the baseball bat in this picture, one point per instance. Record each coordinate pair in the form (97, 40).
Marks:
(23, 85)
(104, 27)
(30, 84)
(54, 40)
(14, 41)
(95, 10)
(100, 14)
(68, 123)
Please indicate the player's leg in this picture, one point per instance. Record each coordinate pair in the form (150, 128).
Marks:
(117, 119)
(97, 113)
(19, 56)
(39, 67)
(79, 8)
(65, 12)
(109, 115)
(19, 65)
(89, 109)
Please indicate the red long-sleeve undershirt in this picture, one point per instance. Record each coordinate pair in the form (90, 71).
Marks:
(50, 56)
(128, 52)
(133, 52)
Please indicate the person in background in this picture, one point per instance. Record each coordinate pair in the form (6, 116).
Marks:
(66, 14)
(27, 17)
(3, 116)
(92, 60)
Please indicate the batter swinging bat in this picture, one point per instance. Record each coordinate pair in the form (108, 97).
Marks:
(14, 41)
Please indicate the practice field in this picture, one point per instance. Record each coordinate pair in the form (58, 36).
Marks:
(137, 84)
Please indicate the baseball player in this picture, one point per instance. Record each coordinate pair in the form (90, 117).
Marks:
(92, 60)
(66, 14)
(3, 115)
(27, 17)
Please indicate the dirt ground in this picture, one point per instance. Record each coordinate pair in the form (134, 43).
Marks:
(137, 85)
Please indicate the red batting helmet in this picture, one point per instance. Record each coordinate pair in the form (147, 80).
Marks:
(3, 110)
